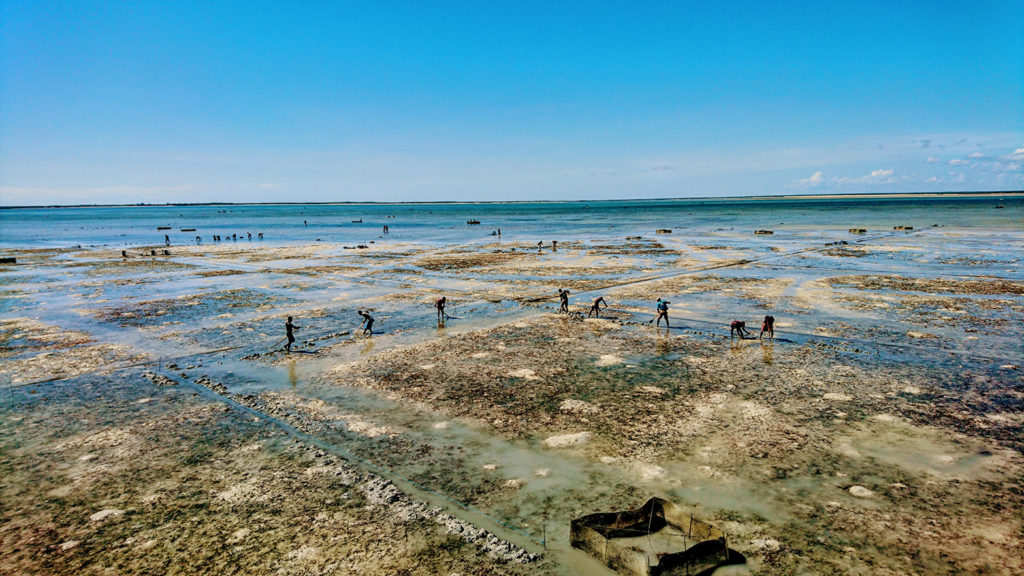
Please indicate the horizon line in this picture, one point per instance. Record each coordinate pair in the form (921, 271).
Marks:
(436, 202)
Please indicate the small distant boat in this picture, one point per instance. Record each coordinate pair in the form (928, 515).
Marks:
(858, 230)
(663, 231)
(902, 227)
(163, 227)
(188, 229)
(999, 206)
(472, 222)
(360, 221)
(763, 232)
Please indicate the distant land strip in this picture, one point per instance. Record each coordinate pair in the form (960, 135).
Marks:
(792, 197)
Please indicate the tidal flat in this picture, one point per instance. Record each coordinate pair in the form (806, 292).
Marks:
(150, 422)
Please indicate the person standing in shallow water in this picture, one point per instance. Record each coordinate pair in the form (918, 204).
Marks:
(595, 308)
(662, 312)
(289, 329)
(440, 304)
(367, 321)
(563, 298)
(768, 326)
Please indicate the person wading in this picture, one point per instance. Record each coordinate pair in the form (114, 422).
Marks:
(367, 321)
(440, 304)
(738, 327)
(289, 328)
(768, 326)
(595, 308)
(662, 312)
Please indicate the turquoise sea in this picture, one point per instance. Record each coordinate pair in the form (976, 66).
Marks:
(438, 224)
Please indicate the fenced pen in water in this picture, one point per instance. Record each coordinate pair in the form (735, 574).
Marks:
(657, 539)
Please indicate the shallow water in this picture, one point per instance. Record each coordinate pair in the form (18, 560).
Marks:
(444, 224)
(893, 386)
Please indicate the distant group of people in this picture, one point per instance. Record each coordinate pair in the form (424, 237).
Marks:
(290, 328)
(234, 237)
(152, 252)
(739, 328)
(736, 327)
(366, 324)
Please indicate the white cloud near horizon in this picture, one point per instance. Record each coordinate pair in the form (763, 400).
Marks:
(815, 180)
(958, 162)
(932, 160)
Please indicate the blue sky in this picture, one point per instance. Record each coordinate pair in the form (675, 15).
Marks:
(110, 102)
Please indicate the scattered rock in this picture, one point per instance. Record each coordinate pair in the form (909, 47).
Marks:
(525, 373)
(564, 440)
(861, 492)
(104, 514)
(577, 406)
(839, 396)
(609, 360)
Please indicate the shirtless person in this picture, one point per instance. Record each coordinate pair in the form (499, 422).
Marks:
(367, 320)
(596, 307)
(563, 298)
(738, 327)
(440, 304)
(769, 327)
(289, 328)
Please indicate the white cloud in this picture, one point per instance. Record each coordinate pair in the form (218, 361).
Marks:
(1019, 151)
(958, 162)
(976, 155)
(816, 179)
(932, 180)
(881, 176)
(932, 160)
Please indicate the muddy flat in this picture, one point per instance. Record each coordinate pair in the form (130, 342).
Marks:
(151, 421)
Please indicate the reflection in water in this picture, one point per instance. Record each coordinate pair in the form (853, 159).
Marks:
(735, 346)
(664, 343)
(767, 350)
(292, 378)
(368, 347)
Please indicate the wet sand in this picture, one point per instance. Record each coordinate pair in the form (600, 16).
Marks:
(151, 423)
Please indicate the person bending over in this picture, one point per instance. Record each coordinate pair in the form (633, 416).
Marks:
(738, 327)
(367, 323)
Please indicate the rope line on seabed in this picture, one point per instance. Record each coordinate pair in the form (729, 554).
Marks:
(338, 451)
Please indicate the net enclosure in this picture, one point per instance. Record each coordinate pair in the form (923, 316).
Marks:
(657, 539)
